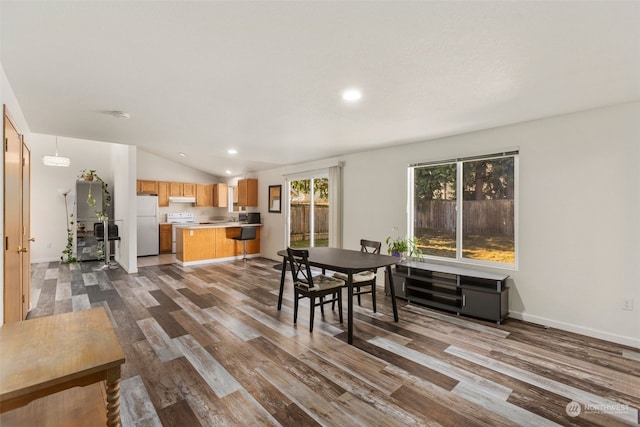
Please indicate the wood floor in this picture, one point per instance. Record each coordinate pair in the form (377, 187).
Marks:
(207, 346)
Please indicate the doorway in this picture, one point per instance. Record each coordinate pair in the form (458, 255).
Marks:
(308, 212)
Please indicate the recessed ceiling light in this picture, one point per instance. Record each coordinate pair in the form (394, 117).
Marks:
(228, 172)
(232, 151)
(182, 154)
(351, 95)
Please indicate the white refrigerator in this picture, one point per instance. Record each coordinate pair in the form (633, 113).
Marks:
(147, 208)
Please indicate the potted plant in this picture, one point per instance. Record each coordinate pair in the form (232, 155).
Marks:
(67, 254)
(88, 175)
(402, 247)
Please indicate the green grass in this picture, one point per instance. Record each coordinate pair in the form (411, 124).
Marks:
(442, 243)
(305, 243)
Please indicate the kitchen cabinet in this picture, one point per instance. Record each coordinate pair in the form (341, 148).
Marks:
(248, 192)
(163, 194)
(188, 189)
(146, 187)
(204, 195)
(175, 189)
(220, 195)
(165, 238)
(197, 244)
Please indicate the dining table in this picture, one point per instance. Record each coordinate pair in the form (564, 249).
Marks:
(349, 262)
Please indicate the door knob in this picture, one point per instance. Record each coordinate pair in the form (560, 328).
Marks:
(33, 239)
(21, 249)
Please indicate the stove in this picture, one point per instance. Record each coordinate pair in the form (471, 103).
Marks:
(179, 218)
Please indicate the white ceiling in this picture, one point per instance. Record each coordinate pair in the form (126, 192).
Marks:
(266, 77)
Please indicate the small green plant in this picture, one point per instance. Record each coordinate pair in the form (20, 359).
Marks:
(67, 254)
(404, 246)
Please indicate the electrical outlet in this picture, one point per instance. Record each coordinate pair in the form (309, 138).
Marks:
(627, 304)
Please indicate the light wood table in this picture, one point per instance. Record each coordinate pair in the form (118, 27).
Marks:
(49, 354)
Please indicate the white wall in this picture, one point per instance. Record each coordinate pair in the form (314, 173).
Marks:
(156, 168)
(579, 241)
(124, 214)
(47, 204)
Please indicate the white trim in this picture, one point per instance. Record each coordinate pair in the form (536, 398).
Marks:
(569, 327)
(214, 260)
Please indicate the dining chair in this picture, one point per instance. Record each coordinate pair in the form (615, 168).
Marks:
(364, 279)
(305, 285)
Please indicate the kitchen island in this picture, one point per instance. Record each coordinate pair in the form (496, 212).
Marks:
(207, 243)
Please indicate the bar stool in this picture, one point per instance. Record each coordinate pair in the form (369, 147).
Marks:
(112, 235)
(246, 233)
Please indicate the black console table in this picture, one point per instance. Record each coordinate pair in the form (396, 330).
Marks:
(461, 290)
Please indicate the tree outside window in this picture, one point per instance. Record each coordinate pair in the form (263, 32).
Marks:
(478, 226)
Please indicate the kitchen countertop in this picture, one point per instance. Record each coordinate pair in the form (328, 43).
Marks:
(214, 224)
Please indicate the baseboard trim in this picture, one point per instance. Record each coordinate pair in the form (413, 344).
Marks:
(594, 333)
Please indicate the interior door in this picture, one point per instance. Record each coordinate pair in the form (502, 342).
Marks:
(26, 227)
(12, 223)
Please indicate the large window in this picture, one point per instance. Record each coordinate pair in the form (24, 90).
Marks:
(465, 209)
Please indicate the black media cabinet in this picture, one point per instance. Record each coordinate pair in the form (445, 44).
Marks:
(461, 290)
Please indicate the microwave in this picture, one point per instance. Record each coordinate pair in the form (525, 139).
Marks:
(253, 218)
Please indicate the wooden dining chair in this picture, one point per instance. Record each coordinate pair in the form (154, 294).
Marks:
(305, 285)
(364, 279)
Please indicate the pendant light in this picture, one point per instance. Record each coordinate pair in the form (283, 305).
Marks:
(56, 160)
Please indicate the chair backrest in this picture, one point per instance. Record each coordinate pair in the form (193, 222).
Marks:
(98, 230)
(248, 233)
(370, 246)
(300, 270)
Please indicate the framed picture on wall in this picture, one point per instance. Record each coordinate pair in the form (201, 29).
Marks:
(275, 192)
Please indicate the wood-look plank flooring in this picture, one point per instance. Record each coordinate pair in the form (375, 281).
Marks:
(206, 346)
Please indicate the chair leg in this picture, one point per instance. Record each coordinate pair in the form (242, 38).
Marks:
(312, 301)
(373, 295)
(295, 307)
(322, 305)
(339, 295)
(358, 290)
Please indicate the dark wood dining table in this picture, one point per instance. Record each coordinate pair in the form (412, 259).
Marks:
(349, 262)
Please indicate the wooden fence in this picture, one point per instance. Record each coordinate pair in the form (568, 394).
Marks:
(479, 216)
(300, 226)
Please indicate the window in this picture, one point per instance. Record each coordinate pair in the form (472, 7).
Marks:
(465, 209)
(233, 201)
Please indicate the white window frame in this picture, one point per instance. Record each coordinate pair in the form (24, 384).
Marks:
(460, 212)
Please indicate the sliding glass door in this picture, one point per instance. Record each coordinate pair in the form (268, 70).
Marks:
(309, 211)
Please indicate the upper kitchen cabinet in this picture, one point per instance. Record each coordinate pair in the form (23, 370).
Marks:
(188, 189)
(204, 195)
(163, 194)
(248, 192)
(146, 187)
(175, 189)
(220, 195)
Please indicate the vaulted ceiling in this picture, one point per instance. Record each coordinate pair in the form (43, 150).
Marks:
(266, 78)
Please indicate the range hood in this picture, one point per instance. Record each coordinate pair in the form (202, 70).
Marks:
(185, 199)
